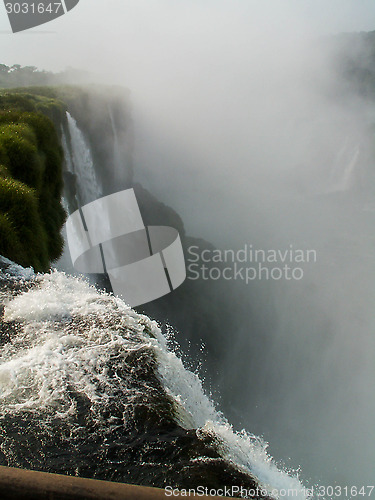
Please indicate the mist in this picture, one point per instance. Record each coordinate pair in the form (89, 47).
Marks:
(259, 141)
(277, 151)
(244, 126)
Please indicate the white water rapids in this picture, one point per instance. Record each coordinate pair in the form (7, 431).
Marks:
(41, 366)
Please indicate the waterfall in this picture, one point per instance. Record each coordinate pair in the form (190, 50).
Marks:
(79, 159)
(81, 184)
(82, 374)
(347, 179)
(342, 176)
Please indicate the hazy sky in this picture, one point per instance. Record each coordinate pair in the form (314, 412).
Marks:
(114, 33)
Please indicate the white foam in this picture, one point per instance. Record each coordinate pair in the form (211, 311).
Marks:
(15, 271)
(39, 368)
(197, 411)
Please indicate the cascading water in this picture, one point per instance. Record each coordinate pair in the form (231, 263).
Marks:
(82, 186)
(94, 390)
(344, 169)
(82, 163)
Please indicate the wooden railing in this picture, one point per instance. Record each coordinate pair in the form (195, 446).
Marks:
(20, 484)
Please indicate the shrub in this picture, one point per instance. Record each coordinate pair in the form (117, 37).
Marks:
(19, 204)
(19, 146)
(9, 241)
(31, 214)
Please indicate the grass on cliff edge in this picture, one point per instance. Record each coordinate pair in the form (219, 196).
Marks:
(31, 214)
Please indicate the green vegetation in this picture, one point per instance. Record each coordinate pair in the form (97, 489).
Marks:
(30, 152)
(34, 100)
(31, 214)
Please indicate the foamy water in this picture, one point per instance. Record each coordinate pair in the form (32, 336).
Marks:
(71, 334)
